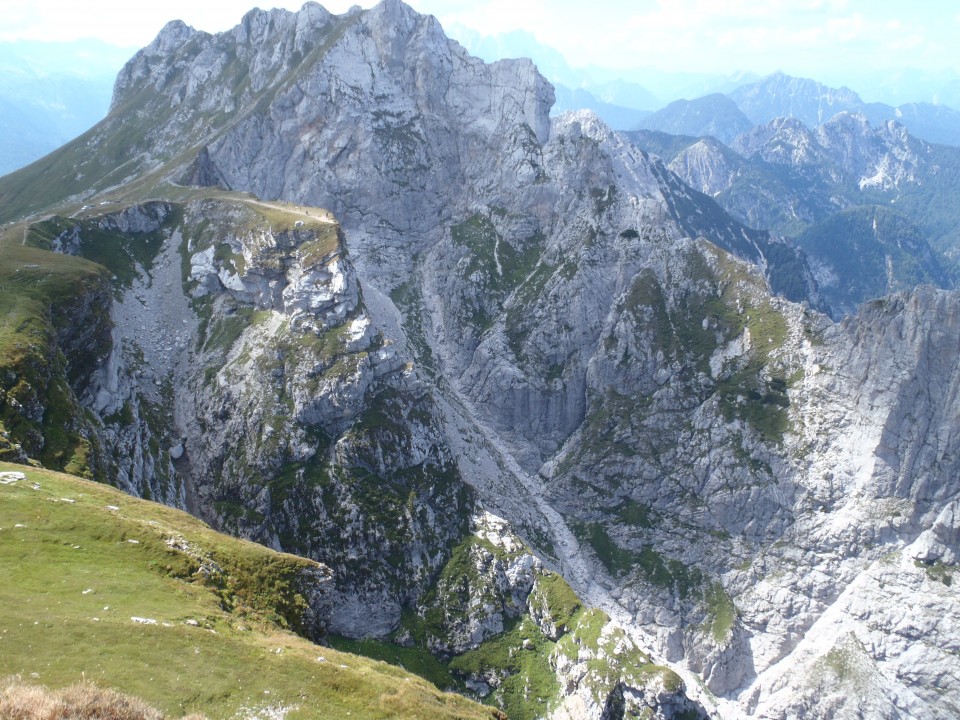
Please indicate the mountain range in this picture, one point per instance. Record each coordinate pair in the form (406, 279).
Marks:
(808, 183)
(51, 92)
(559, 417)
(812, 103)
(923, 102)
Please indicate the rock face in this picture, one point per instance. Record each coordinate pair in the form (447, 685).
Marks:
(534, 319)
(242, 379)
(304, 427)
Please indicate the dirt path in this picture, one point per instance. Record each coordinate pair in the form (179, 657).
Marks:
(311, 213)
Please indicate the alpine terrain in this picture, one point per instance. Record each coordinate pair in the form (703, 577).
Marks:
(871, 206)
(561, 428)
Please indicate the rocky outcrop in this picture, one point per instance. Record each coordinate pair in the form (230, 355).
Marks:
(485, 585)
(604, 674)
(232, 369)
(286, 417)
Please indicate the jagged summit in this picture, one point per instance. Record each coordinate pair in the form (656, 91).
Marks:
(781, 95)
(278, 32)
(286, 87)
(398, 12)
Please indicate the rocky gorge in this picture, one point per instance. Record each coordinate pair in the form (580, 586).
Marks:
(547, 412)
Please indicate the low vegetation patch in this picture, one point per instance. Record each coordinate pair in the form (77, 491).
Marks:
(520, 657)
(97, 240)
(721, 613)
(725, 301)
(414, 659)
(561, 602)
(84, 701)
(937, 571)
(611, 657)
(663, 572)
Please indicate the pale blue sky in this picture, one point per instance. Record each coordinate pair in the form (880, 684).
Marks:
(801, 37)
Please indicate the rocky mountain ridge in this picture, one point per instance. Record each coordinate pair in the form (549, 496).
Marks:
(805, 183)
(713, 115)
(516, 316)
(813, 103)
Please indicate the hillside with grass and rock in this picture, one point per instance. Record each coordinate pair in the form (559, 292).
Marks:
(141, 598)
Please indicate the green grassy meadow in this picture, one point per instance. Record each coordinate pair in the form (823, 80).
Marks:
(81, 560)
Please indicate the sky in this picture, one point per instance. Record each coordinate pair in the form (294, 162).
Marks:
(801, 37)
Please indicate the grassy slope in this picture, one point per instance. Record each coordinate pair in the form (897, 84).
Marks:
(34, 285)
(74, 579)
(31, 280)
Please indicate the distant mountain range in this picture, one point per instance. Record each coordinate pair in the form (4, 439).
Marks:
(715, 115)
(616, 116)
(780, 95)
(873, 206)
(50, 93)
(923, 101)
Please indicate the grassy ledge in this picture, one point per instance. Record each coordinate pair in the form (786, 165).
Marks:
(96, 589)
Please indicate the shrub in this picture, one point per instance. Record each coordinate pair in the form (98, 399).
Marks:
(85, 701)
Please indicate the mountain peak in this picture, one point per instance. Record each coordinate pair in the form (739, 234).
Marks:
(780, 94)
(171, 36)
(395, 16)
(395, 9)
(580, 123)
(389, 70)
(714, 114)
(780, 77)
(256, 25)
